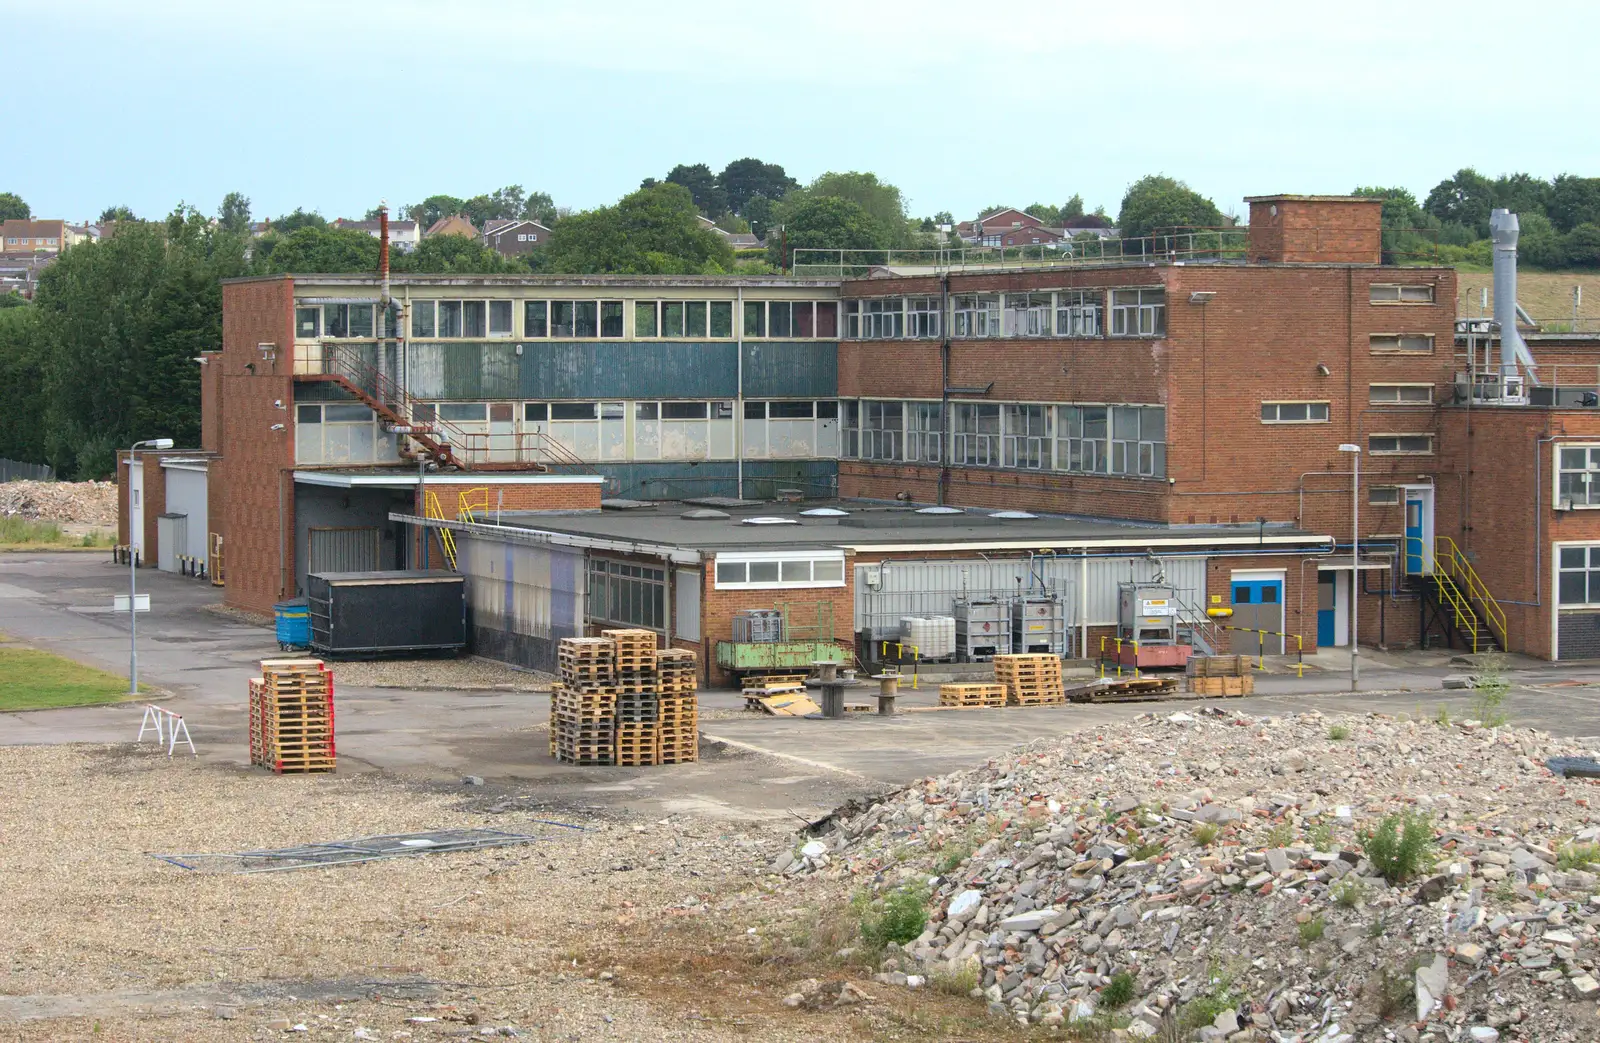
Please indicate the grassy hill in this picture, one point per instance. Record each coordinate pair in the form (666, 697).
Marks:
(1547, 296)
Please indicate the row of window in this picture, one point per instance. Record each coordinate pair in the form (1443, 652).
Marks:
(1092, 439)
(30, 241)
(580, 320)
(1318, 412)
(767, 570)
(627, 594)
(1066, 313)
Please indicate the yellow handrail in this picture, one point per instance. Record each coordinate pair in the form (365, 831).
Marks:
(1466, 619)
(447, 540)
(1461, 573)
(470, 501)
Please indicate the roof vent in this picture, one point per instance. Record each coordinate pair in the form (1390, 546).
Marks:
(940, 510)
(824, 512)
(704, 514)
(768, 520)
(1013, 515)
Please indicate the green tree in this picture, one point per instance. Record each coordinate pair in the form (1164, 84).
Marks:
(758, 210)
(12, 208)
(1522, 194)
(1400, 209)
(1157, 204)
(654, 231)
(1464, 199)
(538, 206)
(1048, 215)
(116, 213)
(1540, 245)
(310, 248)
(1582, 245)
(1574, 201)
(22, 424)
(746, 179)
(297, 220)
(828, 223)
(427, 212)
(881, 201)
(456, 253)
(702, 186)
(234, 214)
(1073, 209)
(501, 204)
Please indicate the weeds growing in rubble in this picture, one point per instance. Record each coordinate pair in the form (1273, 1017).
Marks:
(1339, 732)
(1281, 835)
(1400, 846)
(1321, 836)
(1312, 931)
(898, 916)
(1204, 834)
(1442, 718)
(959, 982)
(1395, 988)
(1491, 689)
(952, 855)
(1349, 893)
(1204, 1008)
(1119, 991)
(1577, 856)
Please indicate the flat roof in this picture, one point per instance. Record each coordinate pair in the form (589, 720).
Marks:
(1290, 197)
(465, 279)
(869, 526)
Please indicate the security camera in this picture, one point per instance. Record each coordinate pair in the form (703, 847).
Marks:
(277, 427)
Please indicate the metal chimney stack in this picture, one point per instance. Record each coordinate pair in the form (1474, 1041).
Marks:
(383, 255)
(1503, 232)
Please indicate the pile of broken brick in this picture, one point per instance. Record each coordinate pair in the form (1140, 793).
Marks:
(1208, 866)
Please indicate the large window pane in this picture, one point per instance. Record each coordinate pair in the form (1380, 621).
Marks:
(755, 318)
(644, 318)
(694, 319)
(610, 318)
(422, 319)
(722, 318)
(500, 318)
(449, 318)
(336, 320)
(561, 319)
(474, 318)
(586, 318)
(308, 323)
(780, 319)
(672, 318)
(535, 319)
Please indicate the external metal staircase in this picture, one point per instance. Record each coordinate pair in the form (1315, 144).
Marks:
(1455, 596)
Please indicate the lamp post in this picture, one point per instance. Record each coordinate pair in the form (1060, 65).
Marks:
(1355, 560)
(133, 568)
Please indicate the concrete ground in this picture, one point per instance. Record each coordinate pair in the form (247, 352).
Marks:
(751, 766)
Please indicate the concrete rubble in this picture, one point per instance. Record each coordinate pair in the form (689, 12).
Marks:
(84, 503)
(1215, 858)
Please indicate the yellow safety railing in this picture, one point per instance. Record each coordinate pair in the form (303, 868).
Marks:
(473, 500)
(447, 539)
(900, 650)
(1455, 571)
(1261, 647)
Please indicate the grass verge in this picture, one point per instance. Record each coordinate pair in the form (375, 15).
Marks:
(26, 532)
(35, 680)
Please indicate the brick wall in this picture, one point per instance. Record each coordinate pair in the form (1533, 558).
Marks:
(256, 467)
(211, 402)
(542, 496)
(717, 609)
(1285, 229)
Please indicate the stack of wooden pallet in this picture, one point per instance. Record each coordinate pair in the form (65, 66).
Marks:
(583, 705)
(291, 716)
(622, 702)
(969, 695)
(1224, 675)
(678, 720)
(1030, 679)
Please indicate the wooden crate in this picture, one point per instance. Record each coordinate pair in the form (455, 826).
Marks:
(1218, 666)
(583, 701)
(291, 717)
(680, 748)
(637, 745)
(674, 708)
(636, 649)
(972, 695)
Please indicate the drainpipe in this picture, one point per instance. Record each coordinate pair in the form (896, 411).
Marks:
(944, 386)
(738, 390)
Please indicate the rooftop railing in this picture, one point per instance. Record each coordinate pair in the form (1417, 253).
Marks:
(1201, 245)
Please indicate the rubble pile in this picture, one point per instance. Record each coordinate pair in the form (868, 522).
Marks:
(1201, 875)
(83, 503)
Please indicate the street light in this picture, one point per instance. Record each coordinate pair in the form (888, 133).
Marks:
(133, 568)
(1355, 560)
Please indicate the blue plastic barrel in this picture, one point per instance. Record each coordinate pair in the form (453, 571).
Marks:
(294, 623)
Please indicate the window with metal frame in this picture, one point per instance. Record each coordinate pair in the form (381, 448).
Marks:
(1392, 293)
(1027, 435)
(1383, 495)
(1578, 575)
(1578, 475)
(1139, 313)
(755, 318)
(882, 430)
(975, 434)
(463, 412)
(1418, 444)
(721, 320)
(852, 320)
(1026, 315)
(883, 318)
(976, 315)
(308, 323)
(535, 319)
(1294, 412)
(422, 318)
(924, 432)
(850, 430)
(1400, 343)
(627, 593)
(923, 318)
(1400, 394)
(776, 569)
(341, 432)
(578, 320)
(499, 318)
(1078, 313)
(347, 320)
(827, 319)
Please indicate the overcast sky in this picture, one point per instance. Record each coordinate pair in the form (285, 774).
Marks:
(333, 106)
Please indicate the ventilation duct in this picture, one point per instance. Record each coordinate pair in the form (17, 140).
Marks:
(1504, 230)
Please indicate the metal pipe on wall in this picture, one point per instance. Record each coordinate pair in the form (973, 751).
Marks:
(738, 390)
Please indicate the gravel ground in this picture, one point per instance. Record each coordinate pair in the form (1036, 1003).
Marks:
(464, 674)
(101, 939)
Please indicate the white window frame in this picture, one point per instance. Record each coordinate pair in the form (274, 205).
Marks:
(1276, 408)
(1589, 568)
(615, 574)
(970, 445)
(385, 448)
(1080, 314)
(1384, 495)
(1145, 315)
(924, 318)
(787, 561)
(1379, 343)
(1399, 388)
(511, 319)
(883, 318)
(1590, 472)
(1025, 315)
(976, 315)
(1377, 293)
(1374, 451)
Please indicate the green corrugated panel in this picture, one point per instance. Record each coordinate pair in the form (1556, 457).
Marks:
(791, 369)
(463, 371)
(501, 369)
(628, 370)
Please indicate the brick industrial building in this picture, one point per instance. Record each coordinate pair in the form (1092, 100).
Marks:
(1167, 414)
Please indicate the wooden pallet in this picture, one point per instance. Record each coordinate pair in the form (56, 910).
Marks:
(637, 681)
(686, 752)
(1128, 690)
(771, 684)
(585, 648)
(1218, 666)
(1225, 686)
(972, 694)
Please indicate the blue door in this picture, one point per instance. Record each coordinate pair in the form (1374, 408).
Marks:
(1327, 597)
(1415, 555)
(1257, 606)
